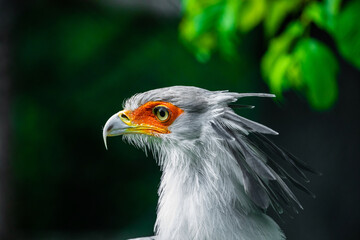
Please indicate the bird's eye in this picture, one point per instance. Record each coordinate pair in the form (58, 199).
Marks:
(162, 113)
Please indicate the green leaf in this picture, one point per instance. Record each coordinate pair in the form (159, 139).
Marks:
(318, 72)
(323, 14)
(227, 27)
(333, 6)
(276, 12)
(251, 14)
(227, 21)
(331, 9)
(315, 12)
(280, 46)
(347, 33)
(197, 29)
(196, 23)
(278, 76)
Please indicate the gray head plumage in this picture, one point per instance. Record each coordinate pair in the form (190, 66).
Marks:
(200, 107)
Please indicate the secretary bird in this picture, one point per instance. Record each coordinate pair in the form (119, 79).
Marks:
(219, 172)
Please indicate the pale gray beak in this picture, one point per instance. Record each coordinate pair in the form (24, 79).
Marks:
(115, 126)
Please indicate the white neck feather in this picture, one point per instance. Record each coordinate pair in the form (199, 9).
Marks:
(202, 197)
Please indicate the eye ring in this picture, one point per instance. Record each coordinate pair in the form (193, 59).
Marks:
(162, 113)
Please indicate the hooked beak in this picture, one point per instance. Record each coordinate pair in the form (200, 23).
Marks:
(124, 122)
(116, 125)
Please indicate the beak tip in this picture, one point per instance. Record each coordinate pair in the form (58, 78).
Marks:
(113, 127)
(105, 137)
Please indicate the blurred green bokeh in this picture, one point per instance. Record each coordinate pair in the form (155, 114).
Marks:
(76, 61)
(294, 59)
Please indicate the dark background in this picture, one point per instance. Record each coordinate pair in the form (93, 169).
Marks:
(68, 66)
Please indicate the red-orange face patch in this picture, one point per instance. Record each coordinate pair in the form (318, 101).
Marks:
(145, 116)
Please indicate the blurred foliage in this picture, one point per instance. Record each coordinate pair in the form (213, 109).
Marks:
(294, 58)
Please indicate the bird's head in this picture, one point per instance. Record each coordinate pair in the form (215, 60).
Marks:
(182, 116)
(167, 114)
(179, 113)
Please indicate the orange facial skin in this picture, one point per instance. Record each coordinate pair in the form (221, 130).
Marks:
(143, 119)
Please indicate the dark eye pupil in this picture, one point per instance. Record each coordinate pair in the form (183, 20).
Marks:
(161, 113)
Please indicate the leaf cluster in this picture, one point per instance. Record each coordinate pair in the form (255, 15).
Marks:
(294, 59)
